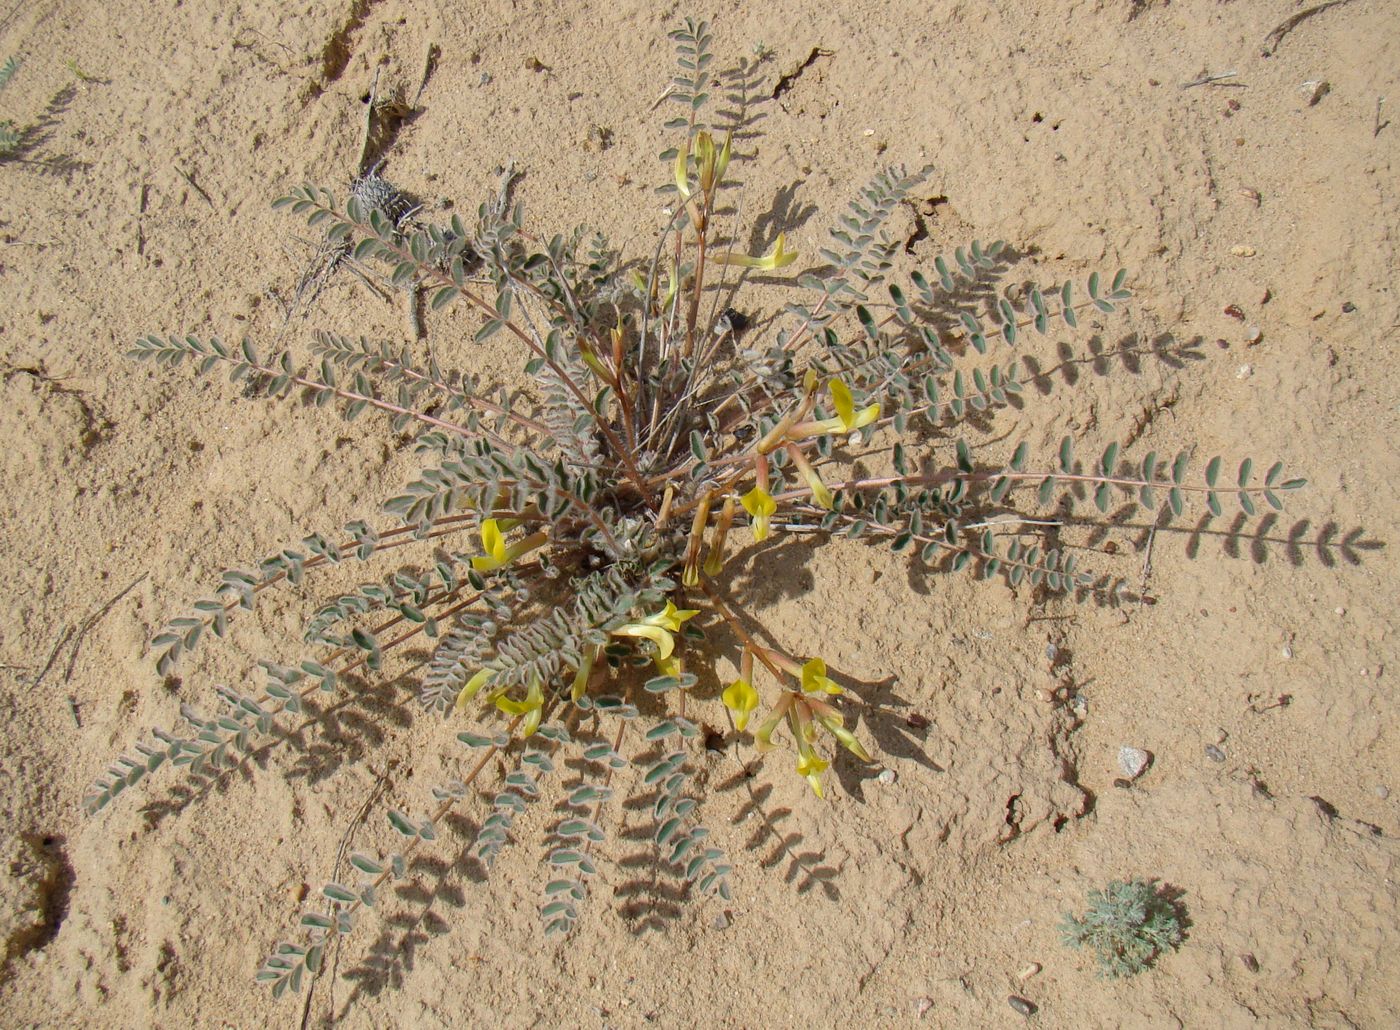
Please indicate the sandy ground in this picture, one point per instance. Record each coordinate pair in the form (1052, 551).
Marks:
(141, 203)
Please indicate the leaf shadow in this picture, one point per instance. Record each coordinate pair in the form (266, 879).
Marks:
(38, 133)
(431, 883)
(806, 870)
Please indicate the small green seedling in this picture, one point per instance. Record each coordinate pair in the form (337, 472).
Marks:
(1128, 925)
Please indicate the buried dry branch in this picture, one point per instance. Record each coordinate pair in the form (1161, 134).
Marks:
(569, 544)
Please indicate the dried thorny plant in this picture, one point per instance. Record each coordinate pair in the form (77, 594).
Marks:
(573, 539)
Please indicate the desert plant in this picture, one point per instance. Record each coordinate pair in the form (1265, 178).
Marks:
(9, 137)
(580, 530)
(1128, 925)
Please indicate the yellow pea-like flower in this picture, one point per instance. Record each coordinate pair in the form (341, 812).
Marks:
(814, 678)
(778, 257)
(820, 493)
(532, 707)
(659, 628)
(498, 553)
(760, 505)
(846, 415)
(471, 689)
(811, 765)
(741, 699)
(682, 178)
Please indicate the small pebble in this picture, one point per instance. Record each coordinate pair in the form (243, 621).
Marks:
(1029, 971)
(1214, 753)
(1254, 335)
(1287, 651)
(1051, 652)
(1243, 251)
(1133, 761)
(915, 721)
(887, 776)
(922, 1005)
(1021, 1005)
(1340, 611)
(1123, 784)
(720, 921)
(1382, 792)
(1250, 962)
(1348, 307)
(1235, 311)
(1244, 372)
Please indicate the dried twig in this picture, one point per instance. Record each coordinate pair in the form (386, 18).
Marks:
(1208, 78)
(193, 185)
(1147, 565)
(92, 621)
(53, 656)
(1272, 40)
(75, 636)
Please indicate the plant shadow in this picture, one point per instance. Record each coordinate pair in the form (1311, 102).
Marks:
(37, 134)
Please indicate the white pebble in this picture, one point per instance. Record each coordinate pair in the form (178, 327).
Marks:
(1340, 611)
(1244, 372)
(1287, 651)
(887, 776)
(1133, 761)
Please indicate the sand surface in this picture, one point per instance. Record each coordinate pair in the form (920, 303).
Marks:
(141, 203)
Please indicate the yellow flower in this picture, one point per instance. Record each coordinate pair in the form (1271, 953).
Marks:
(835, 724)
(814, 678)
(585, 670)
(725, 153)
(659, 627)
(493, 542)
(682, 178)
(850, 419)
(760, 505)
(714, 563)
(778, 257)
(820, 493)
(763, 736)
(671, 617)
(473, 686)
(741, 699)
(532, 707)
(811, 765)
